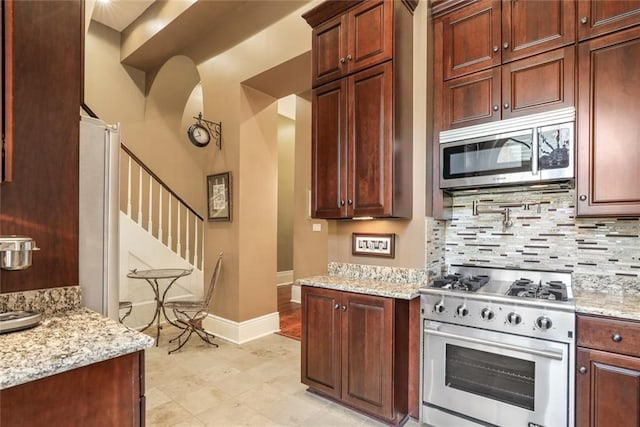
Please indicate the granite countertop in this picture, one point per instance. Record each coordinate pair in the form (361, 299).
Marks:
(400, 290)
(62, 342)
(615, 296)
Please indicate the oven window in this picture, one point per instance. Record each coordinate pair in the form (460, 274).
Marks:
(505, 155)
(497, 377)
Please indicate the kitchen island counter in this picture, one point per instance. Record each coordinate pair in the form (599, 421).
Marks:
(62, 342)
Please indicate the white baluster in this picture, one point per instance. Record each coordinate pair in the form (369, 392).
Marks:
(186, 255)
(202, 248)
(140, 196)
(129, 186)
(195, 242)
(160, 215)
(150, 224)
(169, 238)
(179, 246)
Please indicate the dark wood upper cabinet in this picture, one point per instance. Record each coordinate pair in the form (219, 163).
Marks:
(487, 33)
(352, 41)
(42, 120)
(608, 127)
(599, 17)
(539, 83)
(607, 379)
(6, 53)
(535, 84)
(362, 139)
(471, 38)
(529, 27)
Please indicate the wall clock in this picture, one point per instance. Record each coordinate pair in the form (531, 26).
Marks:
(203, 131)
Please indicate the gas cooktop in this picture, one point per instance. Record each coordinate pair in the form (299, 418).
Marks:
(550, 286)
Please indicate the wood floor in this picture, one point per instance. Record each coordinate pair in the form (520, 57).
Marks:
(289, 313)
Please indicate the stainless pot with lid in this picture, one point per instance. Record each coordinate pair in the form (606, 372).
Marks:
(15, 252)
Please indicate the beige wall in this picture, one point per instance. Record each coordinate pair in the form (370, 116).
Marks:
(410, 234)
(310, 247)
(286, 152)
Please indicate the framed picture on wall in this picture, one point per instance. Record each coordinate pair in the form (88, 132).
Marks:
(219, 197)
(374, 244)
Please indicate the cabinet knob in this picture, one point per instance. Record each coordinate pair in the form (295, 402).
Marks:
(344, 308)
(584, 20)
(349, 57)
(496, 48)
(350, 202)
(337, 306)
(496, 107)
(582, 370)
(506, 105)
(341, 202)
(616, 337)
(342, 60)
(582, 197)
(505, 45)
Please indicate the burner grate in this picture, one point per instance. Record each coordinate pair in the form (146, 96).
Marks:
(552, 290)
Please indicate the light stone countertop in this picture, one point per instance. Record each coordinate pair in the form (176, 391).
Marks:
(400, 290)
(63, 342)
(615, 296)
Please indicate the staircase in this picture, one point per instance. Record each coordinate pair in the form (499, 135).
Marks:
(157, 230)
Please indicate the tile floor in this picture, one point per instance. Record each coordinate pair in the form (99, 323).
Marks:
(254, 384)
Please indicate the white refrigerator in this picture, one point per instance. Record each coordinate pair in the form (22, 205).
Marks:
(99, 215)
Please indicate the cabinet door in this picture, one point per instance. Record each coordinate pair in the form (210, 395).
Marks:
(528, 28)
(607, 389)
(471, 39)
(329, 150)
(367, 355)
(320, 342)
(329, 50)
(370, 150)
(471, 100)
(598, 17)
(370, 34)
(608, 126)
(540, 83)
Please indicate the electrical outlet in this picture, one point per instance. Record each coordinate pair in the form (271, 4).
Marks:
(316, 227)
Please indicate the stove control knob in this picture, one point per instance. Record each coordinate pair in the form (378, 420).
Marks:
(462, 311)
(543, 323)
(487, 314)
(514, 318)
(439, 307)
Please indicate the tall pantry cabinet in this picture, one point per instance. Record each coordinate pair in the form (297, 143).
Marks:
(362, 119)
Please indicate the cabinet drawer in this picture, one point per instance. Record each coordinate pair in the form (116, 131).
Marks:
(619, 336)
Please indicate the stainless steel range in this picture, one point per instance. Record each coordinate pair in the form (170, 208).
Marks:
(498, 348)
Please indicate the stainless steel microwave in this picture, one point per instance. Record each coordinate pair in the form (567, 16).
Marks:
(524, 150)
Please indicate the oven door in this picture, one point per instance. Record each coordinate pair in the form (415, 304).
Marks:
(490, 160)
(491, 378)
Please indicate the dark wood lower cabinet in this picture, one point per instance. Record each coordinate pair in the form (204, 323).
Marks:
(362, 350)
(607, 372)
(108, 393)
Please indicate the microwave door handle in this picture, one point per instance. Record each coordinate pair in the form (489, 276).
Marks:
(535, 152)
(544, 353)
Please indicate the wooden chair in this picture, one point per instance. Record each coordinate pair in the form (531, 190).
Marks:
(190, 313)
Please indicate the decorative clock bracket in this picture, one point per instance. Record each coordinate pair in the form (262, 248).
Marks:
(215, 129)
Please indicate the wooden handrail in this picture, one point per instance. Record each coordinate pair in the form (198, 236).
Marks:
(165, 186)
(90, 112)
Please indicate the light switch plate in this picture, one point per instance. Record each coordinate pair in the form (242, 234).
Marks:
(316, 227)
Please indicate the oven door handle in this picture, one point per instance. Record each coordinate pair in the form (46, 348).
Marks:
(544, 353)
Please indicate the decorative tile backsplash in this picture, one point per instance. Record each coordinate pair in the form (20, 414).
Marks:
(434, 245)
(545, 235)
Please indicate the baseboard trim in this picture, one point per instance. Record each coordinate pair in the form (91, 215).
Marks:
(284, 277)
(242, 332)
(296, 294)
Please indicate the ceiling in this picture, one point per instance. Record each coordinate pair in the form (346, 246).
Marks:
(118, 14)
